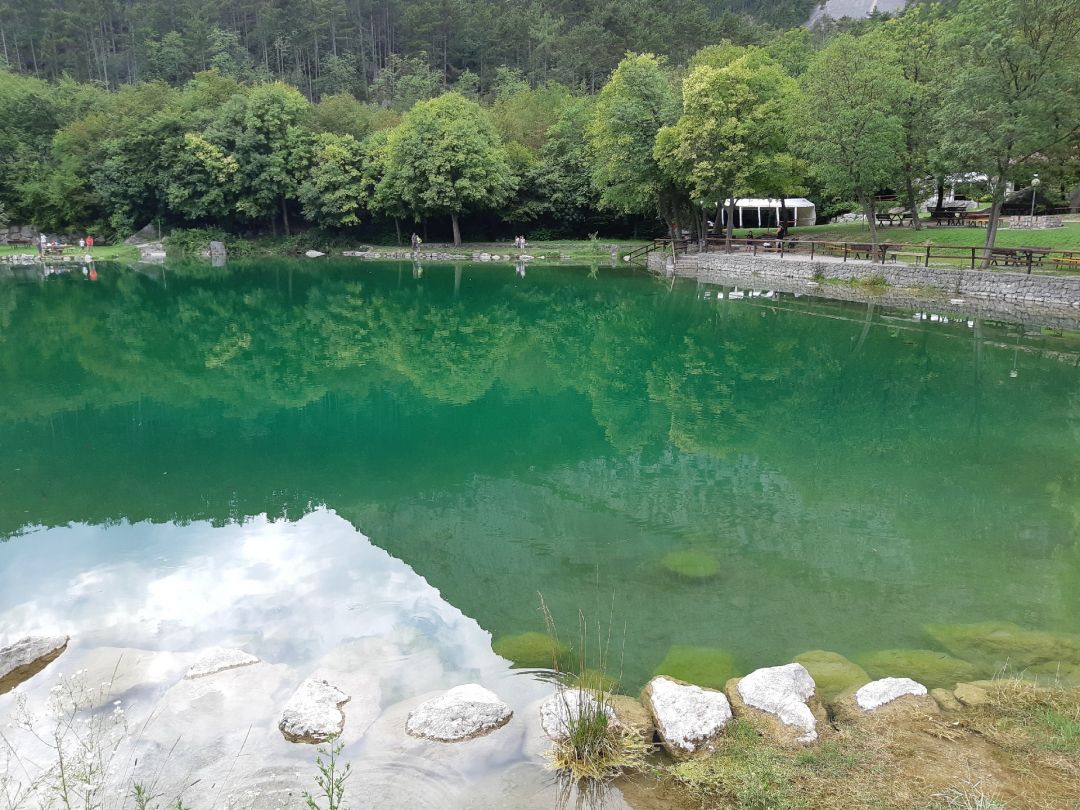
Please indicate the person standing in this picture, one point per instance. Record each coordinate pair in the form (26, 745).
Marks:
(90, 244)
(42, 241)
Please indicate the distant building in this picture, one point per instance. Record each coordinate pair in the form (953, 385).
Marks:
(768, 213)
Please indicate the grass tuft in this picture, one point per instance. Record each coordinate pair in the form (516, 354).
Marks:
(596, 747)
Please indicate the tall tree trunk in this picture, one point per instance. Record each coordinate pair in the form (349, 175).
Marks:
(285, 215)
(992, 225)
(911, 203)
(867, 203)
(397, 228)
(940, 193)
(457, 230)
(729, 231)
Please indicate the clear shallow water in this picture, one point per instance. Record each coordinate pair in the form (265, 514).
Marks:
(855, 473)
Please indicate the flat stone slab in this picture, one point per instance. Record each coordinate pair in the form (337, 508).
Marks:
(563, 708)
(876, 694)
(313, 714)
(785, 694)
(219, 659)
(690, 719)
(461, 713)
(27, 657)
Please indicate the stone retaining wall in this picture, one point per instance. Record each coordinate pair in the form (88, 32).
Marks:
(1051, 291)
(1035, 223)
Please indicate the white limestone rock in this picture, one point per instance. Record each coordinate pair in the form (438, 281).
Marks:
(876, 694)
(313, 254)
(689, 719)
(783, 692)
(564, 708)
(460, 713)
(219, 659)
(313, 714)
(27, 657)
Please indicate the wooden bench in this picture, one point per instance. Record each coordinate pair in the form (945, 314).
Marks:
(19, 240)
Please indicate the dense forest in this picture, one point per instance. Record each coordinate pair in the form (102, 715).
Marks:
(334, 46)
(561, 119)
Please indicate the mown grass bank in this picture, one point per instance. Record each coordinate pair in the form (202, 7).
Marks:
(114, 253)
(1066, 237)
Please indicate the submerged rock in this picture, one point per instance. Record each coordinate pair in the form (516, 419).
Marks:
(925, 666)
(691, 564)
(832, 672)
(690, 720)
(563, 709)
(219, 659)
(531, 650)
(782, 700)
(460, 713)
(705, 666)
(996, 645)
(27, 657)
(594, 680)
(313, 714)
(876, 694)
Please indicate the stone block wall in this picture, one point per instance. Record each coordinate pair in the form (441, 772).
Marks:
(1034, 223)
(1057, 291)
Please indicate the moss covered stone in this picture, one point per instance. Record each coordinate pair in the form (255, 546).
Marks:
(928, 667)
(997, 645)
(711, 667)
(832, 672)
(691, 564)
(531, 650)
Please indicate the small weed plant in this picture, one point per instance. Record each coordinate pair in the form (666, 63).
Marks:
(84, 731)
(331, 779)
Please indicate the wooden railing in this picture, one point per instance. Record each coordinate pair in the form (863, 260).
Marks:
(1023, 259)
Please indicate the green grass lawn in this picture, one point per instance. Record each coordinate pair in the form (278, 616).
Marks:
(1064, 238)
(102, 252)
(549, 249)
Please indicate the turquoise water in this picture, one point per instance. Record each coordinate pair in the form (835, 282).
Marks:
(854, 473)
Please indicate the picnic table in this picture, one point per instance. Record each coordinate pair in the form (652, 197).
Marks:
(54, 247)
(975, 218)
(863, 250)
(948, 214)
(894, 216)
(1018, 257)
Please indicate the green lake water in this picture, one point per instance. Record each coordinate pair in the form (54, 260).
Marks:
(852, 473)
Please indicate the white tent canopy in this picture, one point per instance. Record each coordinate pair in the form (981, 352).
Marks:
(765, 212)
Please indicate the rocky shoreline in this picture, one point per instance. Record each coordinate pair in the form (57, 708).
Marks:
(798, 706)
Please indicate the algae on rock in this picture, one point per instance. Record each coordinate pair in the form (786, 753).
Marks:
(928, 667)
(531, 650)
(711, 667)
(832, 672)
(997, 645)
(691, 564)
